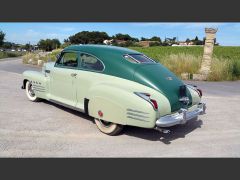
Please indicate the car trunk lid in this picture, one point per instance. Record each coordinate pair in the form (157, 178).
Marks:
(160, 78)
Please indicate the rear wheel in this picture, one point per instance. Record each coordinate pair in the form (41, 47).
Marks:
(108, 128)
(30, 92)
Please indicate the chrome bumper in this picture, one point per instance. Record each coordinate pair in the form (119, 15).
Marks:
(181, 117)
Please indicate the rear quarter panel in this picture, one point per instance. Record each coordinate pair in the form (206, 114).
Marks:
(116, 99)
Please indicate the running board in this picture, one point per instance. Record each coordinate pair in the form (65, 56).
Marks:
(67, 106)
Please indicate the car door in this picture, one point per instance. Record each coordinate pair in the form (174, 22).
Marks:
(90, 69)
(63, 79)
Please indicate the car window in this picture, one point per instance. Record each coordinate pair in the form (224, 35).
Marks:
(68, 59)
(138, 58)
(130, 59)
(90, 62)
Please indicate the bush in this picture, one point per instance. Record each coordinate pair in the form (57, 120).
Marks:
(182, 63)
(154, 44)
(32, 58)
(10, 54)
(220, 70)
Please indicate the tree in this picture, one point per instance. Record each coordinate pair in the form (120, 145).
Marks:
(155, 38)
(187, 40)
(169, 41)
(86, 37)
(7, 45)
(196, 39)
(49, 44)
(55, 43)
(28, 47)
(2, 37)
(124, 37)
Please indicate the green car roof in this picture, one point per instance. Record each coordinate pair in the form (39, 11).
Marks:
(112, 57)
(99, 49)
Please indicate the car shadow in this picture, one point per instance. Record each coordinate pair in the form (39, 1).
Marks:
(176, 132)
(72, 111)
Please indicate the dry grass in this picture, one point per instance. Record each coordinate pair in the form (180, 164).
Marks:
(32, 58)
(182, 63)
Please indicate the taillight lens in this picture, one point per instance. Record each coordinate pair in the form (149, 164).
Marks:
(154, 103)
(147, 97)
(199, 92)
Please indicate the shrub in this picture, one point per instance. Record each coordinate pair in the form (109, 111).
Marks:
(40, 56)
(154, 44)
(220, 70)
(10, 54)
(182, 63)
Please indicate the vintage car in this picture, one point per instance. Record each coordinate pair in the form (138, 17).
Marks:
(117, 87)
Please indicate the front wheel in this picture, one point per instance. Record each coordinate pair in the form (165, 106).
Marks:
(108, 128)
(30, 92)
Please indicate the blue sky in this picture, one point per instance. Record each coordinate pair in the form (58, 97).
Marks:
(228, 33)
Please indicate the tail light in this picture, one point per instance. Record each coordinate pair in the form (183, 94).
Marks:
(154, 103)
(199, 92)
(147, 97)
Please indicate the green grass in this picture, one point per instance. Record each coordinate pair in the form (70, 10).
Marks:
(10, 54)
(225, 66)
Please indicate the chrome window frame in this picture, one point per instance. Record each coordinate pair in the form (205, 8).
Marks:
(67, 67)
(138, 62)
(80, 65)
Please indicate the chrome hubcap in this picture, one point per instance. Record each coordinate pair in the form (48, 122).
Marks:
(30, 90)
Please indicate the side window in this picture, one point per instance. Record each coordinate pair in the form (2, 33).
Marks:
(91, 62)
(68, 59)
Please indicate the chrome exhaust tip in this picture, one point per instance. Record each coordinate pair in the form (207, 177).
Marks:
(165, 131)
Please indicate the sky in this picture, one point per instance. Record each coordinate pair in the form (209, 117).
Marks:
(228, 33)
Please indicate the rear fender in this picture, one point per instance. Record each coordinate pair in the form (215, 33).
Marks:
(120, 106)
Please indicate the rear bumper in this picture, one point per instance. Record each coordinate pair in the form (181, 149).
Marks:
(181, 117)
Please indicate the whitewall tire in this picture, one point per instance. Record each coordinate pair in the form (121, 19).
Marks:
(108, 128)
(30, 92)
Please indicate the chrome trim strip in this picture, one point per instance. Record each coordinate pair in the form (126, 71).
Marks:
(39, 90)
(137, 119)
(38, 87)
(43, 89)
(67, 106)
(132, 110)
(34, 85)
(138, 115)
(181, 117)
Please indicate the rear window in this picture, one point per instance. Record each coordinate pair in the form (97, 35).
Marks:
(138, 58)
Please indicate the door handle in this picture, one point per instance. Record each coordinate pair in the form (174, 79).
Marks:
(74, 74)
